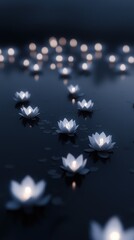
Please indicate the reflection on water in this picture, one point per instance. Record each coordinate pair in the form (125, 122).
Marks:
(38, 151)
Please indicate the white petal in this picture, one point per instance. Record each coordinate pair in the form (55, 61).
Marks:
(95, 232)
(39, 189)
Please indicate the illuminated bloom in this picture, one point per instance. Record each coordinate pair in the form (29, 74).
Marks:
(85, 106)
(29, 112)
(101, 142)
(27, 193)
(65, 71)
(67, 127)
(73, 89)
(74, 165)
(113, 230)
(22, 96)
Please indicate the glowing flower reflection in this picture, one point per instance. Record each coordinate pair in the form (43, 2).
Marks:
(112, 231)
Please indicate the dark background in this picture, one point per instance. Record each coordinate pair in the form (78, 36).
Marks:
(105, 20)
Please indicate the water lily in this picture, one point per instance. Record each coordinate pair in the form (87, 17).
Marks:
(67, 127)
(85, 106)
(73, 90)
(74, 165)
(22, 96)
(29, 112)
(27, 193)
(113, 230)
(101, 142)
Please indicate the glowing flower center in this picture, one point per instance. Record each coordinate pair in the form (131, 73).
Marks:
(85, 104)
(114, 236)
(101, 142)
(27, 193)
(68, 126)
(29, 111)
(74, 165)
(73, 89)
(84, 66)
(23, 95)
(65, 71)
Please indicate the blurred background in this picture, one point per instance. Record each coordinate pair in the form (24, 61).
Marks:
(105, 20)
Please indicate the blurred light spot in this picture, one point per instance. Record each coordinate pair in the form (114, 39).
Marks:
(36, 67)
(83, 48)
(62, 41)
(73, 101)
(123, 67)
(36, 77)
(58, 49)
(70, 59)
(26, 63)
(52, 66)
(44, 50)
(98, 47)
(126, 49)
(89, 57)
(73, 42)
(39, 56)
(59, 65)
(131, 59)
(59, 58)
(73, 185)
(32, 47)
(53, 42)
(84, 66)
(65, 81)
(11, 52)
(2, 58)
(112, 59)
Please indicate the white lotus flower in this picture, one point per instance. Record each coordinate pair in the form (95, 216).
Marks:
(29, 112)
(27, 193)
(73, 89)
(112, 231)
(67, 127)
(101, 142)
(85, 106)
(22, 96)
(74, 165)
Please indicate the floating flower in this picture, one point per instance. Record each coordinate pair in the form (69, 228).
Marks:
(101, 142)
(27, 193)
(67, 127)
(112, 231)
(73, 90)
(29, 112)
(22, 96)
(65, 72)
(85, 106)
(74, 165)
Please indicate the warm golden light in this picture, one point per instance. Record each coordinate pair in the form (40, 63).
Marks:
(114, 236)
(101, 142)
(73, 185)
(74, 165)
(62, 41)
(27, 193)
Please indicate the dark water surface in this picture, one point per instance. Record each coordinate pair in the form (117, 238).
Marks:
(37, 151)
